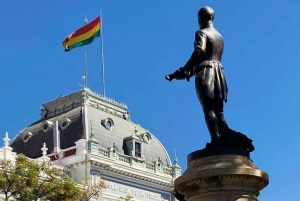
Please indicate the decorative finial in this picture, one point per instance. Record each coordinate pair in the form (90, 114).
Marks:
(44, 149)
(6, 140)
(175, 158)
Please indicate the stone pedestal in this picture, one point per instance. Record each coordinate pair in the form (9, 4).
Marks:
(221, 178)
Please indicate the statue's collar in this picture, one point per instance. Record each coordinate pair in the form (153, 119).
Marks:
(207, 25)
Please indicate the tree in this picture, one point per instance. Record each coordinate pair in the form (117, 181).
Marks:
(28, 180)
(94, 189)
(126, 198)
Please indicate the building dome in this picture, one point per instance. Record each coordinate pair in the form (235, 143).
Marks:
(86, 115)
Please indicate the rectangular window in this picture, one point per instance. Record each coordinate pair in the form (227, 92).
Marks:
(138, 149)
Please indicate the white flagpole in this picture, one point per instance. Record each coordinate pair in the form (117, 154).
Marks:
(102, 54)
(85, 58)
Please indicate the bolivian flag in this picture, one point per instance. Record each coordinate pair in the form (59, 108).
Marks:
(83, 36)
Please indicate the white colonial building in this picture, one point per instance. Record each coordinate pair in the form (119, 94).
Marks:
(89, 134)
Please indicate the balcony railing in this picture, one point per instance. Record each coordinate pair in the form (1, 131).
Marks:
(154, 167)
(140, 163)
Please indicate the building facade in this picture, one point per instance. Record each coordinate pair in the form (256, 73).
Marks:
(89, 134)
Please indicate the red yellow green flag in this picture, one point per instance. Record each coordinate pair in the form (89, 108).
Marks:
(83, 36)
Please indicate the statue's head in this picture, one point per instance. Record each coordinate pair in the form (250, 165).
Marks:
(205, 14)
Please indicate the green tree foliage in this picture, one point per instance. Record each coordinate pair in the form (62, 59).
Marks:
(126, 198)
(94, 190)
(28, 180)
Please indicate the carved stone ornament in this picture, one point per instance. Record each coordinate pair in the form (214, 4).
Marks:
(43, 112)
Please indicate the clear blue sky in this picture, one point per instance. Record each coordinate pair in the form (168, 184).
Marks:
(143, 41)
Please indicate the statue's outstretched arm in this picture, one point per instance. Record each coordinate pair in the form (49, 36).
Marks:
(187, 71)
(199, 50)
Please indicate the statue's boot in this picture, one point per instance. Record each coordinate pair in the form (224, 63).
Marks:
(233, 138)
(222, 125)
(212, 125)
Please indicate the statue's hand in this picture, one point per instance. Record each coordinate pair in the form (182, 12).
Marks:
(178, 75)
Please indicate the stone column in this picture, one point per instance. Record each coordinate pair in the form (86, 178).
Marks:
(221, 178)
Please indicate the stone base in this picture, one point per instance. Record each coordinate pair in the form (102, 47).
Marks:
(221, 178)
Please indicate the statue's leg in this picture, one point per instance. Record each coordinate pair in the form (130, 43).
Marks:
(210, 119)
(218, 108)
(207, 104)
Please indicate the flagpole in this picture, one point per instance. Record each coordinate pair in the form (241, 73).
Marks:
(85, 58)
(102, 54)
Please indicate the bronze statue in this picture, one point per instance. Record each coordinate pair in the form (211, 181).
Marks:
(210, 82)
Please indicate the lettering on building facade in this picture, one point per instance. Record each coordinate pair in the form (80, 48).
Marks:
(136, 193)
